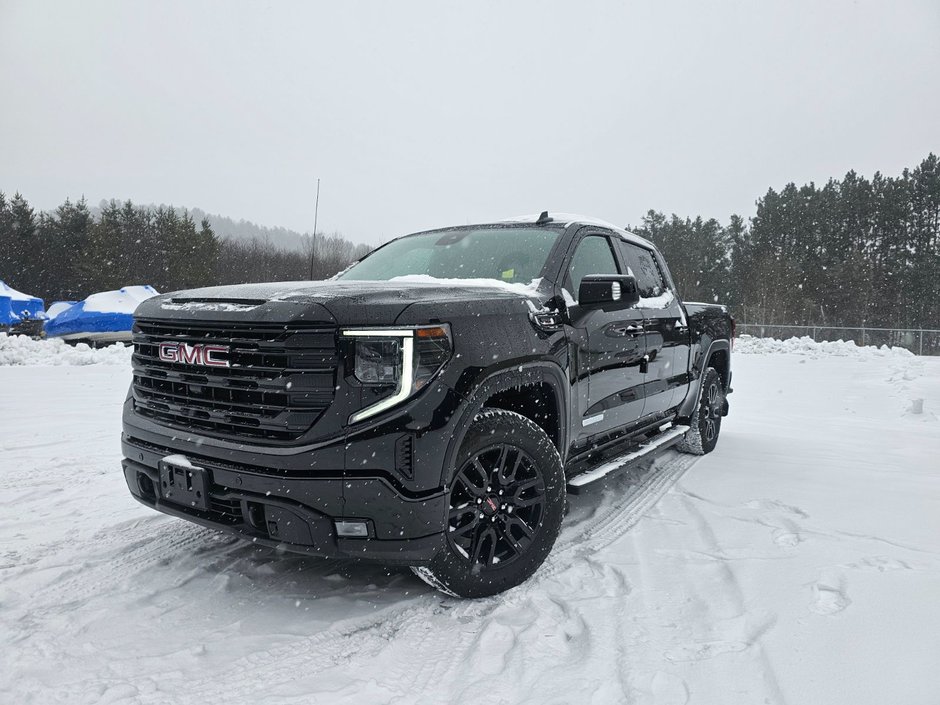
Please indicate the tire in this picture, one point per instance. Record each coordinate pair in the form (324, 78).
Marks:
(506, 503)
(705, 423)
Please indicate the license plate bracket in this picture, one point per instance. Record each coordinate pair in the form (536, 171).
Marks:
(183, 483)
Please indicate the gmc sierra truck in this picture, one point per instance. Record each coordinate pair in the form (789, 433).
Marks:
(430, 406)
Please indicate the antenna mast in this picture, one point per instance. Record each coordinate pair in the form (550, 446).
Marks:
(313, 240)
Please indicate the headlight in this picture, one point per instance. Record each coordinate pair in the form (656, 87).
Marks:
(378, 361)
(409, 358)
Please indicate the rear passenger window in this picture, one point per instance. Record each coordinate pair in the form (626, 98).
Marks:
(643, 266)
(593, 256)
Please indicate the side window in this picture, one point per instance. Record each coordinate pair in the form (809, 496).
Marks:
(592, 256)
(643, 266)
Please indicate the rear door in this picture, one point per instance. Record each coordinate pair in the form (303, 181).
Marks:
(667, 334)
(608, 346)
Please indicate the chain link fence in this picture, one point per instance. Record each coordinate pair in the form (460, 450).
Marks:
(921, 341)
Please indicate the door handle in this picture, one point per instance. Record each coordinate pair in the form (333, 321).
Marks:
(627, 330)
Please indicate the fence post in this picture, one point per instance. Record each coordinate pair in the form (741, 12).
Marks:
(920, 347)
(814, 334)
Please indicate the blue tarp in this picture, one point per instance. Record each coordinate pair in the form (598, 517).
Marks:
(16, 307)
(106, 312)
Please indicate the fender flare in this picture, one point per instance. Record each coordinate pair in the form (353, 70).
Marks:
(500, 380)
(695, 372)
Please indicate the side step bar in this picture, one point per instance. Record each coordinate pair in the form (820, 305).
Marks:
(660, 442)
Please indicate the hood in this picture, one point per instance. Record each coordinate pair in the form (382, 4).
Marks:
(345, 302)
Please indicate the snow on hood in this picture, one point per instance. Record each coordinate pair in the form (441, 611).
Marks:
(530, 289)
(123, 300)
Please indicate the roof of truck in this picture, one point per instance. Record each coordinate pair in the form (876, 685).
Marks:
(569, 218)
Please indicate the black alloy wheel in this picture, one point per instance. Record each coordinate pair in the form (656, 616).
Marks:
(506, 502)
(496, 506)
(705, 424)
(711, 410)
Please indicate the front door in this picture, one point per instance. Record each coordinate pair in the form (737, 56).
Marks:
(609, 347)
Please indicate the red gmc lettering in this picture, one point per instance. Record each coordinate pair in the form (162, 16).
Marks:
(169, 352)
(206, 355)
(211, 359)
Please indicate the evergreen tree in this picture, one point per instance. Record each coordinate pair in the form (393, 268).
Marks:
(23, 244)
(7, 264)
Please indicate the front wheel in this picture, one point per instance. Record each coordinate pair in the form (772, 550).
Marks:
(506, 503)
(705, 424)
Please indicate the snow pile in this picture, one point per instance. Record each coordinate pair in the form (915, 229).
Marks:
(21, 350)
(749, 345)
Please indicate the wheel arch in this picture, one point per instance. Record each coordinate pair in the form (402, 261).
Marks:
(505, 388)
(717, 350)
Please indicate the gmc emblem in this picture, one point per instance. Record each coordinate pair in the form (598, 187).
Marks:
(198, 354)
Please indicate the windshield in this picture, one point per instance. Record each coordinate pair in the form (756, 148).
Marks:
(509, 254)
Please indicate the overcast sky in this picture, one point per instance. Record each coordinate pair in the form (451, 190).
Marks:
(422, 114)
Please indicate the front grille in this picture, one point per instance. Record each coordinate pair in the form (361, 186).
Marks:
(279, 381)
(228, 510)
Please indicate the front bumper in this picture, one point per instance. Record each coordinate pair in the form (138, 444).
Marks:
(293, 506)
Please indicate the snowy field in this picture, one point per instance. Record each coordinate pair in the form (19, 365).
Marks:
(799, 563)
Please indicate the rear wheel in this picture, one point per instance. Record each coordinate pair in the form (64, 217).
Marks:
(506, 503)
(705, 424)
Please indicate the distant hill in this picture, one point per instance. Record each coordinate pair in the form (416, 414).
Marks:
(246, 230)
(238, 230)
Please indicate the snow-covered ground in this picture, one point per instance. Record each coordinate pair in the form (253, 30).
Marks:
(799, 563)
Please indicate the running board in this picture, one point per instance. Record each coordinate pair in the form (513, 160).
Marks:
(666, 439)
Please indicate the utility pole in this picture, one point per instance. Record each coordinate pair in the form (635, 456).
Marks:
(313, 240)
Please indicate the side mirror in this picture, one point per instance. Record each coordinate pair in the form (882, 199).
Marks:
(610, 292)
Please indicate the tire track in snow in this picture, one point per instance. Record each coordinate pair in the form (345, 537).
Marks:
(752, 640)
(356, 645)
(620, 517)
(117, 553)
(438, 633)
(559, 611)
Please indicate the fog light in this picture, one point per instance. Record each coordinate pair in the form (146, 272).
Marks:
(145, 484)
(352, 529)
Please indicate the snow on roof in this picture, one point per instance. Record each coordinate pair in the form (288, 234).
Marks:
(569, 218)
(13, 294)
(58, 307)
(121, 301)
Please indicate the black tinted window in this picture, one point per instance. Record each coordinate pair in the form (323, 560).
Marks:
(593, 256)
(643, 266)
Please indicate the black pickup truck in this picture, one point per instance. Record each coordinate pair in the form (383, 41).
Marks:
(431, 405)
